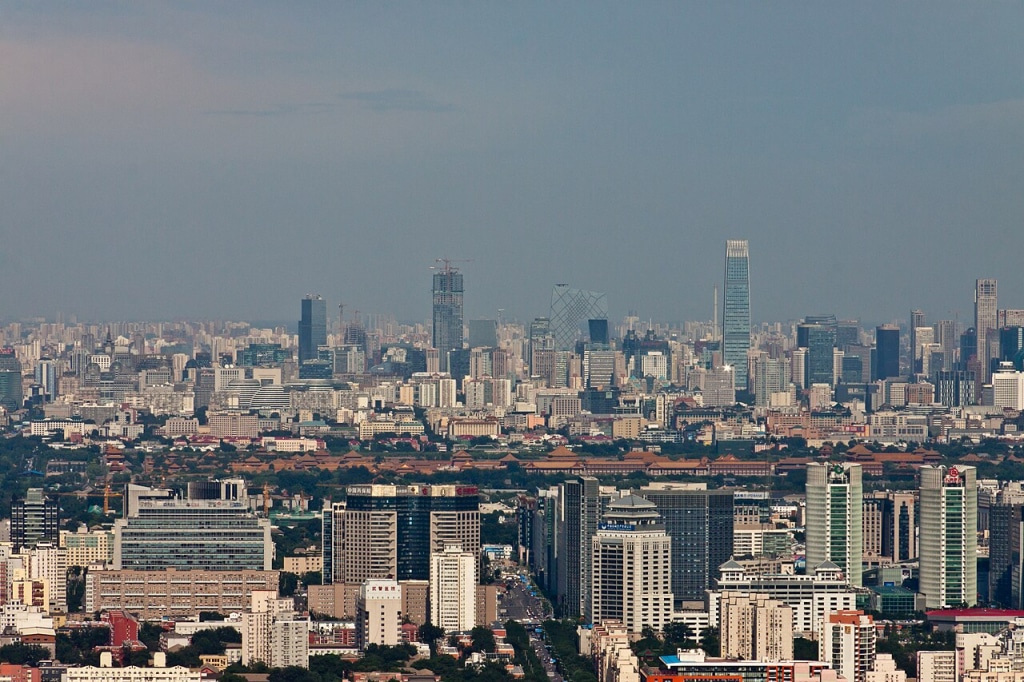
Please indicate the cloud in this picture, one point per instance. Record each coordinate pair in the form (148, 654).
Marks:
(397, 100)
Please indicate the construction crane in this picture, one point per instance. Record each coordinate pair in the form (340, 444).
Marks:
(448, 269)
(266, 499)
(107, 495)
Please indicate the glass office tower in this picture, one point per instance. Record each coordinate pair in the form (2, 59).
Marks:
(736, 320)
(312, 327)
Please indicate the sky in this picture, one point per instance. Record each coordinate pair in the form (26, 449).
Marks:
(221, 160)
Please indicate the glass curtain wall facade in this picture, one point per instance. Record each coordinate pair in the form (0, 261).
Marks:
(835, 518)
(312, 327)
(949, 540)
(570, 308)
(736, 317)
(447, 308)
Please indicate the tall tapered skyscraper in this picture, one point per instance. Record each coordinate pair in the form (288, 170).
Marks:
(986, 310)
(447, 312)
(312, 327)
(736, 320)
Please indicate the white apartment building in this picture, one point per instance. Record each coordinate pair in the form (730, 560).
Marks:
(453, 589)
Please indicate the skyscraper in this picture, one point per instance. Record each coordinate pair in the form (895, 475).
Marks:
(11, 395)
(1006, 525)
(570, 308)
(700, 523)
(887, 351)
(312, 327)
(736, 318)
(578, 515)
(835, 517)
(819, 338)
(631, 560)
(949, 540)
(986, 312)
(447, 331)
(391, 531)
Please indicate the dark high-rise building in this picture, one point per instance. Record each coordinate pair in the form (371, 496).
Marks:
(11, 396)
(598, 332)
(447, 302)
(257, 354)
(887, 351)
(1005, 525)
(700, 523)
(34, 520)
(736, 317)
(819, 339)
(312, 327)
(578, 515)
(955, 388)
(968, 348)
(1011, 343)
(847, 333)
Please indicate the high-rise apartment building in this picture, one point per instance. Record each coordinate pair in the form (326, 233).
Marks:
(447, 309)
(949, 541)
(755, 627)
(848, 643)
(631, 562)
(835, 517)
(736, 317)
(887, 351)
(34, 520)
(312, 327)
(986, 312)
(700, 524)
(391, 531)
(453, 585)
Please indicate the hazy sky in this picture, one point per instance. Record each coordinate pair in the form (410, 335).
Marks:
(224, 159)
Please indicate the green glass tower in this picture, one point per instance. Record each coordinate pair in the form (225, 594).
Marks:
(835, 518)
(949, 540)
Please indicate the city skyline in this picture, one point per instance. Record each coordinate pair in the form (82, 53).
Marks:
(189, 161)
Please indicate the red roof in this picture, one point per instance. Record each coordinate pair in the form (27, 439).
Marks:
(994, 614)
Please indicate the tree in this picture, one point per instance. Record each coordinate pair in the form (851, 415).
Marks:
(711, 642)
(287, 584)
(293, 673)
(483, 639)
(23, 654)
(430, 633)
(805, 649)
